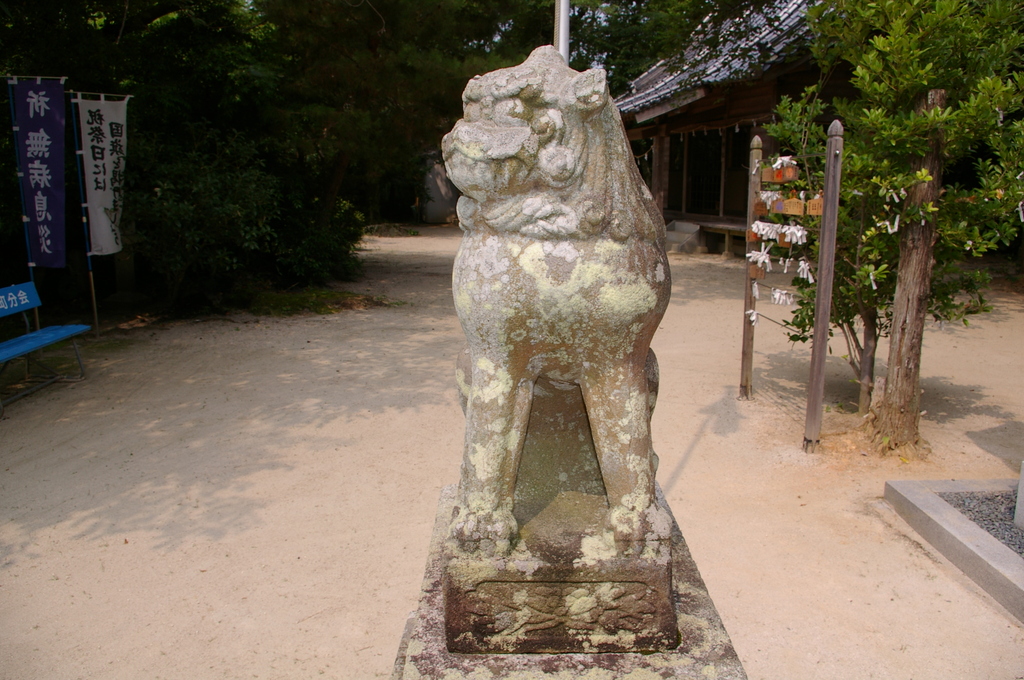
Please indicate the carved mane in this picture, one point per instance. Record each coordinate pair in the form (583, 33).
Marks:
(540, 152)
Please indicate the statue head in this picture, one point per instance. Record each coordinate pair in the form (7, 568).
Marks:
(540, 150)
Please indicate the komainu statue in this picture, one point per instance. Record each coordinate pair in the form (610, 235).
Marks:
(558, 542)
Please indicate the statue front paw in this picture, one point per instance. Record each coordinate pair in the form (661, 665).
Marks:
(490, 533)
(630, 528)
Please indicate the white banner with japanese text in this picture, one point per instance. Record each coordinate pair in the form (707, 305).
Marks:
(103, 138)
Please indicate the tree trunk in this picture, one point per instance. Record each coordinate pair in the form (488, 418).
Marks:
(869, 316)
(898, 414)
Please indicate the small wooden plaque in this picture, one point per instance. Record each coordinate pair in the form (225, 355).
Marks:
(783, 240)
(779, 206)
(760, 208)
(756, 272)
(752, 236)
(793, 206)
(815, 206)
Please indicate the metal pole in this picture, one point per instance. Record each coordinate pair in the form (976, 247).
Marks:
(823, 299)
(749, 304)
(561, 38)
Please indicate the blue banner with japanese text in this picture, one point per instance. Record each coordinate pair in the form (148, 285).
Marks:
(38, 108)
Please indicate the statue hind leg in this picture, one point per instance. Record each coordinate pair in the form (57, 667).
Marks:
(618, 404)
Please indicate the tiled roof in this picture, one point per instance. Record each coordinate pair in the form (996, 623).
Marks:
(750, 43)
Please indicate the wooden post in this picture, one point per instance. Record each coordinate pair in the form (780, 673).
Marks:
(823, 299)
(95, 311)
(749, 304)
(685, 137)
(721, 177)
(662, 148)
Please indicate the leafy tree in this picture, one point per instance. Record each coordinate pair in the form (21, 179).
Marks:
(938, 83)
(616, 36)
(373, 86)
(188, 65)
(333, 104)
(206, 204)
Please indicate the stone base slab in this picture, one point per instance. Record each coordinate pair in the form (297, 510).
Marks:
(704, 649)
(981, 556)
(570, 604)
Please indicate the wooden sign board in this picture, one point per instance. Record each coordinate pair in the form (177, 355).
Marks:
(786, 173)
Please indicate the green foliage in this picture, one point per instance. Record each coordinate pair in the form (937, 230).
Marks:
(311, 252)
(898, 51)
(201, 204)
(615, 35)
(313, 114)
(364, 90)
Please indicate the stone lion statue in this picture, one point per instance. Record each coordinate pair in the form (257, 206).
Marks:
(561, 274)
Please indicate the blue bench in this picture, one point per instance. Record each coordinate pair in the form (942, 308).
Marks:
(20, 299)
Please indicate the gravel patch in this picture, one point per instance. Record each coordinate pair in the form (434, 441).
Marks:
(993, 512)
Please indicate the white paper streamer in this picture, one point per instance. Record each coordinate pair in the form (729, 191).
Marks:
(803, 270)
(752, 313)
(795, 233)
(781, 297)
(754, 290)
(762, 258)
(765, 229)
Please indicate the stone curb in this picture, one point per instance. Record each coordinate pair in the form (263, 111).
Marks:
(998, 570)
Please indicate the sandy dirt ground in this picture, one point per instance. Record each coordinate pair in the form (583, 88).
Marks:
(244, 497)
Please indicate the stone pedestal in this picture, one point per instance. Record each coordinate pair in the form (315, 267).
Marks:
(703, 651)
(565, 588)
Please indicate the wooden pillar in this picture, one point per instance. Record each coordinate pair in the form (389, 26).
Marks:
(659, 169)
(749, 303)
(823, 298)
(685, 136)
(721, 178)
